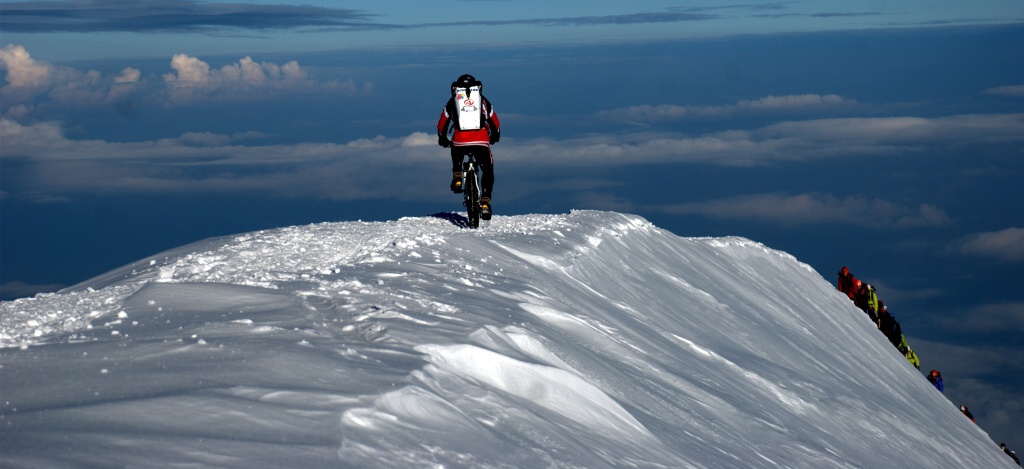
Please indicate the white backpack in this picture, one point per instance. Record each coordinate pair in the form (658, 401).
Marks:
(469, 103)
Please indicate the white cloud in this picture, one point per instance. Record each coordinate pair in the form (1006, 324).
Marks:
(189, 70)
(789, 103)
(28, 80)
(419, 139)
(194, 80)
(1009, 90)
(791, 141)
(25, 79)
(205, 139)
(793, 101)
(128, 75)
(814, 208)
(17, 111)
(205, 162)
(989, 318)
(1005, 245)
(22, 140)
(881, 131)
(813, 139)
(980, 362)
(925, 216)
(45, 141)
(795, 140)
(31, 83)
(725, 148)
(22, 71)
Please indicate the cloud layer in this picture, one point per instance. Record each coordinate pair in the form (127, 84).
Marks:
(815, 208)
(194, 80)
(787, 103)
(28, 81)
(1005, 245)
(186, 16)
(168, 16)
(31, 83)
(1009, 90)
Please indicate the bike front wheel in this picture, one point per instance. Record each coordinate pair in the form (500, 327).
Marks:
(472, 200)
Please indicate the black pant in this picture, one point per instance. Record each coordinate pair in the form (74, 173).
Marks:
(484, 159)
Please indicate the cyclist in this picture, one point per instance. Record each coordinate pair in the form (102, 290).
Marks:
(473, 134)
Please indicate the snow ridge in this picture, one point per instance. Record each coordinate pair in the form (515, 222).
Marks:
(588, 339)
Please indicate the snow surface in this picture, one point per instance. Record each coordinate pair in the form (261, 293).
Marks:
(589, 339)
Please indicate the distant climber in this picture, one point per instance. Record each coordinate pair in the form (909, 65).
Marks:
(912, 358)
(936, 379)
(1011, 454)
(908, 352)
(874, 304)
(866, 299)
(890, 327)
(845, 282)
(857, 287)
(966, 412)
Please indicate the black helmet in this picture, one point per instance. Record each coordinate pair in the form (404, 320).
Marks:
(465, 81)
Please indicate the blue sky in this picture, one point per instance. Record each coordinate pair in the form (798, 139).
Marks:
(886, 136)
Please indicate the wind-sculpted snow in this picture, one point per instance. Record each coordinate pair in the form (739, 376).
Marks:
(591, 339)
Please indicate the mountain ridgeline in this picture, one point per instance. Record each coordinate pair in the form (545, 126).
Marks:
(588, 339)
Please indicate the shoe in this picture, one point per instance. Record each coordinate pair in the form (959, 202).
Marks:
(485, 208)
(457, 182)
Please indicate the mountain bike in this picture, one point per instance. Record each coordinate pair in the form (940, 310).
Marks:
(471, 190)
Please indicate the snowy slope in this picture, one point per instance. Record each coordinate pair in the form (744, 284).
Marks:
(591, 340)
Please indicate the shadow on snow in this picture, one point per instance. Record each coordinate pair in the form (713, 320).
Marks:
(453, 218)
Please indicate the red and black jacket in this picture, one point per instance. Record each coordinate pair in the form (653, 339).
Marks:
(488, 133)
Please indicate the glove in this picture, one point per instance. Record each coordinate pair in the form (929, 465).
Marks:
(495, 136)
(443, 141)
